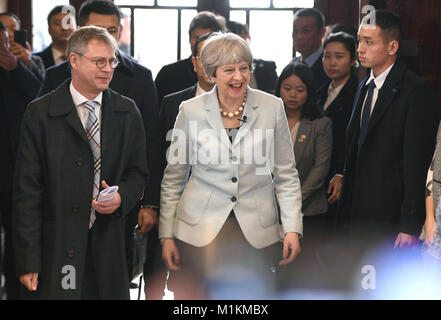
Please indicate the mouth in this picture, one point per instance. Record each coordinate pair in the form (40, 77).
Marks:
(236, 87)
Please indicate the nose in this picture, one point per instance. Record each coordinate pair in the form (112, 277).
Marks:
(107, 67)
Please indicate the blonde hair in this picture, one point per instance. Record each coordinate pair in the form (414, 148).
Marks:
(80, 38)
(222, 49)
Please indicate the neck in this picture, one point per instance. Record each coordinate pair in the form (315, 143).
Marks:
(60, 46)
(229, 104)
(294, 115)
(338, 82)
(306, 55)
(86, 93)
(206, 86)
(380, 69)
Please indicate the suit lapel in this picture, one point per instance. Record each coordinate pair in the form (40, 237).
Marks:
(302, 137)
(353, 129)
(214, 117)
(251, 112)
(386, 94)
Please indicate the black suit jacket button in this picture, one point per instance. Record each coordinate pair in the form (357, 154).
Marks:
(70, 253)
(233, 199)
(79, 162)
(234, 179)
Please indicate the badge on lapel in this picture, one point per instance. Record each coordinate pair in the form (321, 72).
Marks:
(302, 138)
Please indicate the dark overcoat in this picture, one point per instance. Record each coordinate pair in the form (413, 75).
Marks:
(53, 194)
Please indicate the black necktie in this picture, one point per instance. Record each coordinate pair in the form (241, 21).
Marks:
(366, 113)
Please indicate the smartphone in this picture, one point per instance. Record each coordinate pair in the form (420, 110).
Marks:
(20, 37)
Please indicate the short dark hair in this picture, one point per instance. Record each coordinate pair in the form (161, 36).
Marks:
(312, 12)
(237, 28)
(54, 11)
(346, 28)
(194, 50)
(2, 26)
(97, 6)
(206, 20)
(12, 15)
(389, 23)
(310, 109)
(346, 39)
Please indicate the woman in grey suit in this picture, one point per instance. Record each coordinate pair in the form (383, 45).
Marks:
(234, 141)
(311, 136)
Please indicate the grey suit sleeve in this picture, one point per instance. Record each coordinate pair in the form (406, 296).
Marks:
(175, 174)
(286, 178)
(322, 160)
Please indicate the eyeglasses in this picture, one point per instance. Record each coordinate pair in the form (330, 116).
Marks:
(102, 62)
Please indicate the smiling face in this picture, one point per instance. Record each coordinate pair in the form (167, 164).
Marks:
(87, 78)
(232, 80)
(337, 61)
(293, 92)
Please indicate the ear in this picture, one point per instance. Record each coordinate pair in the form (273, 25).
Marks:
(393, 47)
(322, 32)
(120, 28)
(73, 60)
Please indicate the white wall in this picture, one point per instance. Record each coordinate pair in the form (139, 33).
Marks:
(3, 5)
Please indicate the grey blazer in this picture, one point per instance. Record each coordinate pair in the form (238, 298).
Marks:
(229, 176)
(313, 150)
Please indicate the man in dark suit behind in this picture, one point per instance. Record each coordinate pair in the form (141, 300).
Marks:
(59, 30)
(18, 87)
(308, 32)
(263, 75)
(389, 143)
(180, 75)
(75, 141)
(134, 81)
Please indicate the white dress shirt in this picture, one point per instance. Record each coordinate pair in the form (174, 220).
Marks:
(83, 112)
(58, 56)
(313, 57)
(379, 82)
(332, 94)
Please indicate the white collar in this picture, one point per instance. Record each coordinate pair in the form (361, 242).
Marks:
(380, 79)
(79, 99)
(56, 53)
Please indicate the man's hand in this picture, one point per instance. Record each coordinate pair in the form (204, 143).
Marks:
(107, 207)
(24, 54)
(7, 59)
(291, 248)
(405, 241)
(334, 188)
(147, 219)
(170, 255)
(30, 281)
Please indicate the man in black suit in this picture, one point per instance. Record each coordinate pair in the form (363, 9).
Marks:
(389, 143)
(76, 141)
(134, 81)
(18, 87)
(33, 62)
(180, 75)
(59, 30)
(263, 75)
(309, 29)
(153, 268)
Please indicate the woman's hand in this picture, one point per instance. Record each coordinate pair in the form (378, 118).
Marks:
(291, 248)
(334, 189)
(170, 255)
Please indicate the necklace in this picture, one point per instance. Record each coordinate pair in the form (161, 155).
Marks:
(231, 115)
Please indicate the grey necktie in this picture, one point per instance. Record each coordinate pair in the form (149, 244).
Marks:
(93, 134)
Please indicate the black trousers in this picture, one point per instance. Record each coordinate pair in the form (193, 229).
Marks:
(227, 268)
(12, 280)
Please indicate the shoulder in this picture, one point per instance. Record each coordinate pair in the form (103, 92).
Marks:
(181, 95)
(322, 123)
(260, 63)
(175, 66)
(132, 65)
